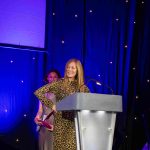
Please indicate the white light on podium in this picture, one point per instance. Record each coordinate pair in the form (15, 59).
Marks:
(85, 112)
(100, 112)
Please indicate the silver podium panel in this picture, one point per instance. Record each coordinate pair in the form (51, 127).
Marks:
(96, 130)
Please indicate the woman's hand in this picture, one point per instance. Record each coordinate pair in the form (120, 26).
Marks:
(51, 128)
(36, 120)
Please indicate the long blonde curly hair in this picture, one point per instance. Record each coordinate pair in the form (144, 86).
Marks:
(80, 73)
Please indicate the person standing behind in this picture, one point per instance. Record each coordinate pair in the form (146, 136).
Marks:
(45, 138)
(64, 126)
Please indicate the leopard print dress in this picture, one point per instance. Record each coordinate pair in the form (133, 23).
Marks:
(64, 126)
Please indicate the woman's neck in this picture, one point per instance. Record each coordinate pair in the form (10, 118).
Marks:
(71, 79)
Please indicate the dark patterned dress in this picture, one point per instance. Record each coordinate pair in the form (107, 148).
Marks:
(64, 126)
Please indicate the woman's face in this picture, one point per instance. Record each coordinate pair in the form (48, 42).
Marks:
(71, 70)
(52, 77)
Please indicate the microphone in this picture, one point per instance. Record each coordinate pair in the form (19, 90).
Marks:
(98, 83)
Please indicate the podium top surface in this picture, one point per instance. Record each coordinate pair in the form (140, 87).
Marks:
(91, 101)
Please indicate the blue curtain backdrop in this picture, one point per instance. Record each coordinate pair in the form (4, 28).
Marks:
(112, 40)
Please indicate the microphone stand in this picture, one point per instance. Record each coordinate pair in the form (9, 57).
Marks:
(98, 83)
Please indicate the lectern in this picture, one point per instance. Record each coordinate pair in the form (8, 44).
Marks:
(95, 117)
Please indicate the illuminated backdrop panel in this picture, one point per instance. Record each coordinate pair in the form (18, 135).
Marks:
(23, 22)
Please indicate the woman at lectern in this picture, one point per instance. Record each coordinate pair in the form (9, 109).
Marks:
(64, 126)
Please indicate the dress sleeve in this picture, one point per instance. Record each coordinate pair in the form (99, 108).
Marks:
(40, 94)
(86, 89)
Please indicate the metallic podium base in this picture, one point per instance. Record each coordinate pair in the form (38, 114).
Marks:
(94, 129)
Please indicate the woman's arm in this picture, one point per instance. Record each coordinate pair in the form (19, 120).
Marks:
(39, 114)
(86, 89)
(40, 94)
